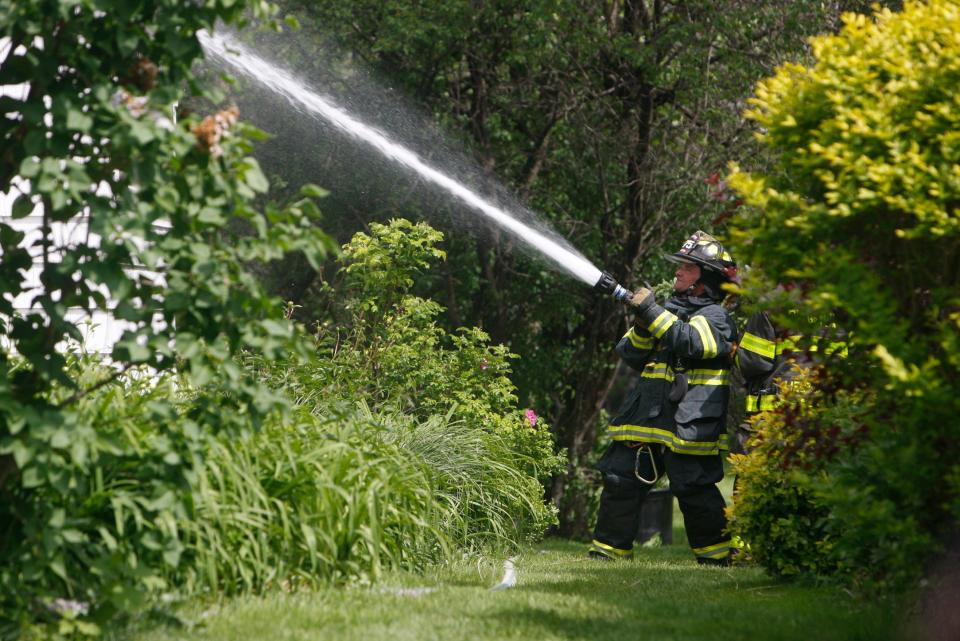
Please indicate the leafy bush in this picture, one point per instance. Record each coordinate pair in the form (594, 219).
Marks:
(95, 519)
(95, 463)
(302, 502)
(777, 506)
(141, 503)
(385, 345)
(858, 225)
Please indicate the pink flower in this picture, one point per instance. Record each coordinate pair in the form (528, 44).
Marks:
(483, 363)
(532, 417)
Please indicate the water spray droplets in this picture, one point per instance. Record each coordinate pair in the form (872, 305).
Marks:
(227, 49)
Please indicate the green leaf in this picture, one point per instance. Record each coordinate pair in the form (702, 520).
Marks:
(276, 328)
(30, 477)
(127, 41)
(29, 167)
(73, 536)
(253, 176)
(60, 438)
(22, 453)
(23, 206)
(141, 132)
(167, 198)
(313, 191)
(171, 555)
(78, 121)
(58, 568)
(34, 142)
(109, 540)
(211, 216)
(130, 351)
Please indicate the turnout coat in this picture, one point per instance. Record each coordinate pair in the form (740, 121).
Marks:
(683, 352)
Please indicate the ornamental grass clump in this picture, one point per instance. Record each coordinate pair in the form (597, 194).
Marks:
(305, 502)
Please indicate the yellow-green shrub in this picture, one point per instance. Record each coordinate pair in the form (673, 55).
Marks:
(859, 222)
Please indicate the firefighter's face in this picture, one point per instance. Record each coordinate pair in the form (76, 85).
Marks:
(686, 276)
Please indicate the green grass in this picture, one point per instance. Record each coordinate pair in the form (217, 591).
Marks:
(560, 594)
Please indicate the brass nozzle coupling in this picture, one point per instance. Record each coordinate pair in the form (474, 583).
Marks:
(607, 285)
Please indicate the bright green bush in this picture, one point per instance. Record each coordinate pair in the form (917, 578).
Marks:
(777, 507)
(858, 223)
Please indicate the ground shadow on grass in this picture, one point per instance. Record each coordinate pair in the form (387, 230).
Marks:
(665, 595)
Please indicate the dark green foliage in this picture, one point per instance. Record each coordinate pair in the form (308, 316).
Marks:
(94, 460)
(94, 515)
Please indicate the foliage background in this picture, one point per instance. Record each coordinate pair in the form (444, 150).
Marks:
(226, 449)
(613, 121)
(180, 466)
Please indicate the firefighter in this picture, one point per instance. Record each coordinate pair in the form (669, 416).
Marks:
(769, 358)
(761, 362)
(673, 420)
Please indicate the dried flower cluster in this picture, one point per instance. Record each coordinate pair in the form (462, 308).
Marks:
(143, 74)
(210, 130)
(140, 105)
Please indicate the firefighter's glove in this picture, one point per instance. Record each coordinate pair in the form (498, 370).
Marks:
(642, 299)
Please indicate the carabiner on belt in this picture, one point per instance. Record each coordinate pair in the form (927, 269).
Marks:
(653, 464)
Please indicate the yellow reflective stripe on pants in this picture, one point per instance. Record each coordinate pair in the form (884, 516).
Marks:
(716, 551)
(609, 550)
(757, 345)
(702, 325)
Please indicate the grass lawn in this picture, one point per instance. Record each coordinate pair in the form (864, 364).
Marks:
(559, 594)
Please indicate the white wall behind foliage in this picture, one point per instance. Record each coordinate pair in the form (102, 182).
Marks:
(99, 328)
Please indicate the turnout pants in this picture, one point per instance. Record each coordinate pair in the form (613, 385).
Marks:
(693, 480)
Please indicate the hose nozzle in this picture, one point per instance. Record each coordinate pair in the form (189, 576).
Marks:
(607, 285)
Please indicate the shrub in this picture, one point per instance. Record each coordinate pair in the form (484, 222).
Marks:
(303, 502)
(385, 345)
(139, 503)
(858, 225)
(309, 500)
(96, 463)
(95, 519)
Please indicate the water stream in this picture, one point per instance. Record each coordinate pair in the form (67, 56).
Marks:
(227, 49)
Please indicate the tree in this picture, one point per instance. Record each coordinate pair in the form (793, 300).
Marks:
(92, 140)
(606, 118)
(857, 222)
